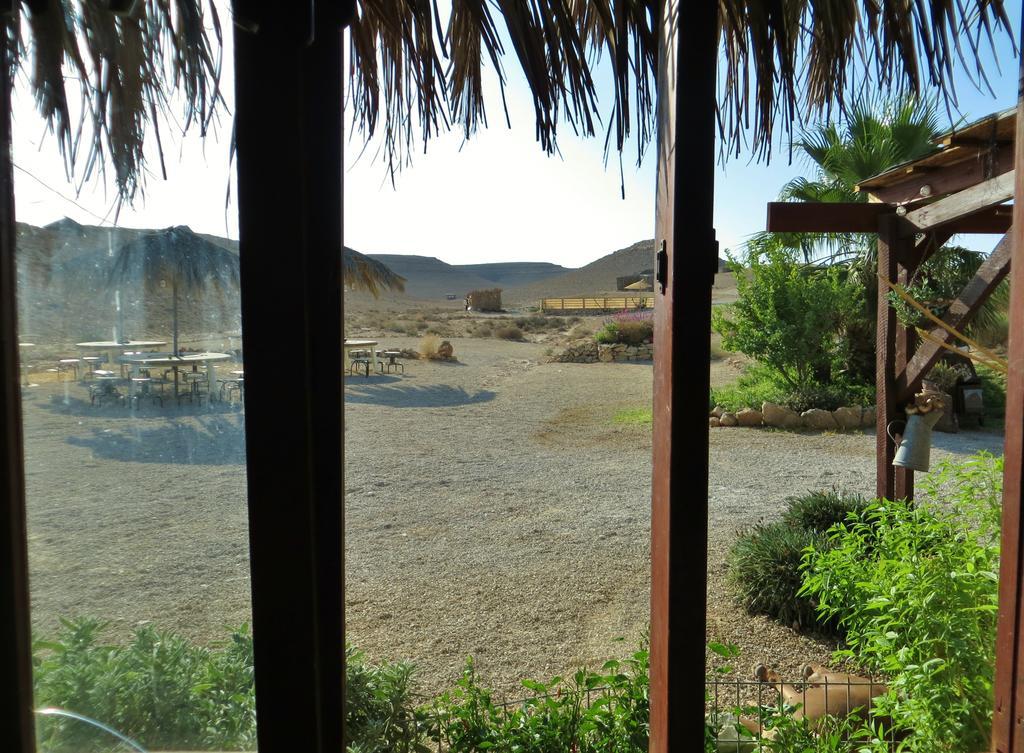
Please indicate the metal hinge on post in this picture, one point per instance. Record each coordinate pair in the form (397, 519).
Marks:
(714, 259)
(662, 274)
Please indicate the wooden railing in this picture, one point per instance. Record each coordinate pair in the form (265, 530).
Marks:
(611, 303)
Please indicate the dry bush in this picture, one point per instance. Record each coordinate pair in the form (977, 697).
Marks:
(509, 333)
(429, 346)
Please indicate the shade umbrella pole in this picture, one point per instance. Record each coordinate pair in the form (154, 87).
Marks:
(174, 328)
(174, 314)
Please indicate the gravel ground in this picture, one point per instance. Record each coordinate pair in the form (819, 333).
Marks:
(494, 509)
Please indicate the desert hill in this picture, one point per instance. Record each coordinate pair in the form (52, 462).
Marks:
(597, 277)
(432, 279)
(515, 274)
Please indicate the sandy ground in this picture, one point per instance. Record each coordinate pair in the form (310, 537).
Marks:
(494, 509)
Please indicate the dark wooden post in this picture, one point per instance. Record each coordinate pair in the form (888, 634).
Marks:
(16, 729)
(687, 261)
(289, 136)
(894, 344)
(1008, 719)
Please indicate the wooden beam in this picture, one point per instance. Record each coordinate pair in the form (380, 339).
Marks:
(16, 723)
(863, 217)
(832, 217)
(1008, 716)
(891, 357)
(961, 312)
(970, 200)
(687, 69)
(949, 179)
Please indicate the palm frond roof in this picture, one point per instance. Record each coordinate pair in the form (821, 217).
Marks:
(174, 256)
(360, 272)
(413, 72)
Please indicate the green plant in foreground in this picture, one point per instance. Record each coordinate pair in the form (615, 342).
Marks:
(587, 713)
(915, 587)
(764, 564)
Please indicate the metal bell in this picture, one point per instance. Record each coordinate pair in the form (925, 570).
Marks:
(915, 449)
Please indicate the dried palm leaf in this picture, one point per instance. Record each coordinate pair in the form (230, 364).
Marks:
(413, 73)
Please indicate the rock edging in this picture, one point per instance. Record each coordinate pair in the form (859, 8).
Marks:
(777, 416)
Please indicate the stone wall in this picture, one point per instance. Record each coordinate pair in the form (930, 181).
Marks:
(589, 351)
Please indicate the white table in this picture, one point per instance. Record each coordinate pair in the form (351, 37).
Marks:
(177, 362)
(113, 349)
(370, 345)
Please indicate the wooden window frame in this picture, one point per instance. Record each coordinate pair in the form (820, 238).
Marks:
(290, 198)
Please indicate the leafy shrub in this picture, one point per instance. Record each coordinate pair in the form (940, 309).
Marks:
(827, 396)
(789, 316)
(631, 330)
(819, 511)
(765, 566)
(758, 384)
(159, 689)
(429, 346)
(993, 392)
(379, 716)
(587, 713)
(608, 334)
(635, 333)
(508, 333)
(915, 587)
(170, 694)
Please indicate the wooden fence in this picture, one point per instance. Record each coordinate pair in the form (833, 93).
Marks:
(615, 303)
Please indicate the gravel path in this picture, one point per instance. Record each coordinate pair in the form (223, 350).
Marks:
(494, 509)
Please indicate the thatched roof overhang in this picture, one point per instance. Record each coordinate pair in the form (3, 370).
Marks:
(414, 73)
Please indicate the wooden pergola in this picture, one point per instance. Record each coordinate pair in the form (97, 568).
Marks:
(915, 208)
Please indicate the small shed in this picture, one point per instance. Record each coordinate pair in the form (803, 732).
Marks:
(484, 300)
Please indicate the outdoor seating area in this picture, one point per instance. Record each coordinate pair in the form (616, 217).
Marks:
(364, 357)
(122, 374)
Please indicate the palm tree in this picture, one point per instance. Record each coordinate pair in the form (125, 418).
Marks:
(875, 137)
(414, 71)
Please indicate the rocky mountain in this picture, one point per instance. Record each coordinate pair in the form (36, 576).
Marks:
(430, 278)
(595, 278)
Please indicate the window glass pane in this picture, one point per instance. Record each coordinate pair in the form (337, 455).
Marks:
(135, 459)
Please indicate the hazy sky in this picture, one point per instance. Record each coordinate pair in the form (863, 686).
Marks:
(497, 197)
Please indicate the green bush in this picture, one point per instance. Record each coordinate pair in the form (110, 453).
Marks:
(993, 393)
(758, 384)
(819, 511)
(764, 564)
(827, 396)
(625, 332)
(608, 334)
(590, 712)
(915, 588)
(789, 316)
(167, 693)
(159, 689)
(379, 716)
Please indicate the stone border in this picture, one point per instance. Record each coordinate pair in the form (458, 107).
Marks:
(780, 417)
(594, 352)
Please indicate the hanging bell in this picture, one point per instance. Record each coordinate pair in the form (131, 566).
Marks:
(915, 449)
